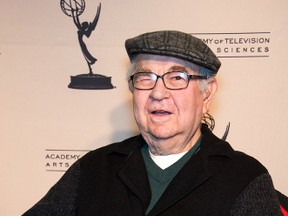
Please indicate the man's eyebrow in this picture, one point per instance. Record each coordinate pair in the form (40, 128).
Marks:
(140, 68)
(178, 68)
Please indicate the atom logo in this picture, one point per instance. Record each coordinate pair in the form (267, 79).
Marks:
(72, 6)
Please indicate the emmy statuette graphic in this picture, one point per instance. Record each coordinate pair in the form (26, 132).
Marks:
(74, 8)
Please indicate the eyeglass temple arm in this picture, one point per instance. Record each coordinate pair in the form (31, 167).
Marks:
(198, 77)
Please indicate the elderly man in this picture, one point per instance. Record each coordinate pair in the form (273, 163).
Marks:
(176, 166)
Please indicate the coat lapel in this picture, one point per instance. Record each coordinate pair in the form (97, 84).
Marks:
(134, 175)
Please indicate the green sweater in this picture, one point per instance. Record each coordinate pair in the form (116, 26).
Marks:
(160, 179)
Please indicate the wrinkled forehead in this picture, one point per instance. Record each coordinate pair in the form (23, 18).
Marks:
(153, 61)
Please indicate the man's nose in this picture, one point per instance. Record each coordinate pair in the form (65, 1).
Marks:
(159, 92)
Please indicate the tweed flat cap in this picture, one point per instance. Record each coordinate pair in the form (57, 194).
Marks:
(174, 43)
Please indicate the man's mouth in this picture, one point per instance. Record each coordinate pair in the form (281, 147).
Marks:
(160, 112)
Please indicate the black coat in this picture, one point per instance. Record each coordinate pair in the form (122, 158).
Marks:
(112, 181)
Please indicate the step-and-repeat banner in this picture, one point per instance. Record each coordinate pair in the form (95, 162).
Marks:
(50, 116)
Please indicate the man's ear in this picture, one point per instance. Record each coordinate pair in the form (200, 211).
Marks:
(212, 87)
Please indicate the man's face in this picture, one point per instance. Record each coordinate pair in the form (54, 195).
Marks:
(169, 120)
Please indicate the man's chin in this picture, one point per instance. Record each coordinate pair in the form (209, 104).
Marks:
(161, 135)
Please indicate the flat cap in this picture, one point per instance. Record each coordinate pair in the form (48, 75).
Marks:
(176, 44)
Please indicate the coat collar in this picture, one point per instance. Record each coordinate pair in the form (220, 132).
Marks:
(211, 145)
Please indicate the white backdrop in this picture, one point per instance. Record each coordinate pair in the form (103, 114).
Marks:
(45, 126)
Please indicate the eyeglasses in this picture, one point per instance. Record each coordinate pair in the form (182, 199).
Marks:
(173, 80)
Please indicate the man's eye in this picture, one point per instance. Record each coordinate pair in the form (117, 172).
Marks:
(178, 78)
(143, 79)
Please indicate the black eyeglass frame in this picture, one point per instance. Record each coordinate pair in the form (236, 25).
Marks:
(189, 77)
